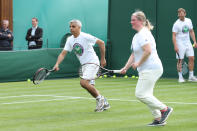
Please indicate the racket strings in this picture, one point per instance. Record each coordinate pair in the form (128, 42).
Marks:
(184, 68)
(40, 76)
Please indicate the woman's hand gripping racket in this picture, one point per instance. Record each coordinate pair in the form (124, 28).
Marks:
(41, 74)
(101, 70)
(183, 64)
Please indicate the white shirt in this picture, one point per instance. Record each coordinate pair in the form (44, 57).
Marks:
(143, 37)
(31, 43)
(182, 28)
(83, 47)
(33, 30)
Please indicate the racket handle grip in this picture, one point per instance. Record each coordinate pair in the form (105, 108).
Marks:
(116, 71)
(52, 70)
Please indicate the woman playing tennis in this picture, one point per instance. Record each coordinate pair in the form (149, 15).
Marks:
(82, 44)
(145, 58)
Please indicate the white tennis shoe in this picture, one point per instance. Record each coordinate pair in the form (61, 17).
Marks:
(100, 104)
(192, 79)
(181, 80)
(106, 104)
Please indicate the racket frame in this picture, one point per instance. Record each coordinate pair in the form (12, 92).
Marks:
(184, 65)
(37, 73)
(100, 70)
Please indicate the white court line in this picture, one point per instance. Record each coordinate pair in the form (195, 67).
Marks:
(4, 97)
(57, 98)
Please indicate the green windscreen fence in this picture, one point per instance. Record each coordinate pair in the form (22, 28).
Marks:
(162, 14)
(119, 28)
(54, 16)
(21, 65)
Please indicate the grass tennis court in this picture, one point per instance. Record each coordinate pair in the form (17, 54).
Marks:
(62, 105)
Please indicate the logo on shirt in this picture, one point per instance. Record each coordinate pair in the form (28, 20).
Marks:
(78, 49)
(185, 29)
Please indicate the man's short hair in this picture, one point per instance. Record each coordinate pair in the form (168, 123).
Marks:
(181, 9)
(35, 19)
(78, 22)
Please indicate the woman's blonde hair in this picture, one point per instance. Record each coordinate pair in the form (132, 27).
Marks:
(141, 16)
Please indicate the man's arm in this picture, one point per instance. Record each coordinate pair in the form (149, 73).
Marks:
(102, 51)
(3, 36)
(60, 59)
(174, 42)
(6, 35)
(10, 36)
(192, 34)
(38, 34)
(28, 35)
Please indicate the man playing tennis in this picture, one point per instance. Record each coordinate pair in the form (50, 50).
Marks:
(82, 44)
(181, 32)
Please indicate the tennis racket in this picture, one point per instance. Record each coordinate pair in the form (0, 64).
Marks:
(41, 74)
(184, 66)
(101, 70)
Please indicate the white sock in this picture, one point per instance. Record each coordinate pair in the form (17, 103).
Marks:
(191, 73)
(180, 74)
(98, 97)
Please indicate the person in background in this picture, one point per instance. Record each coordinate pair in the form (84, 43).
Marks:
(6, 36)
(34, 35)
(181, 32)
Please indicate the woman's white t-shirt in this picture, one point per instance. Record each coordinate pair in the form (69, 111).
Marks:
(143, 37)
(83, 47)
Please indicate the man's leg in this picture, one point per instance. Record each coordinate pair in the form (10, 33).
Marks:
(100, 100)
(191, 63)
(191, 69)
(190, 55)
(181, 52)
(90, 88)
(89, 72)
(179, 70)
